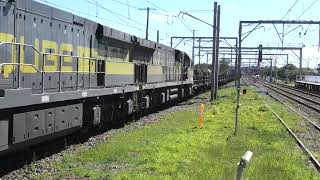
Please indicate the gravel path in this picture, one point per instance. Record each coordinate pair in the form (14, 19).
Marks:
(41, 166)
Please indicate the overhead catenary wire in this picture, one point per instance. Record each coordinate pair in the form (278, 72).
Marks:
(184, 24)
(124, 19)
(126, 4)
(119, 16)
(90, 15)
(156, 6)
(114, 13)
(310, 6)
(199, 10)
(167, 14)
(290, 9)
(304, 11)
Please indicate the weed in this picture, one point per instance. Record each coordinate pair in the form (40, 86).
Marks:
(263, 108)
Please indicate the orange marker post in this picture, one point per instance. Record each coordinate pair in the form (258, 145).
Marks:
(201, 113)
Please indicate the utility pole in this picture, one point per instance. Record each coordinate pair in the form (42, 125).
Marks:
(249, 68)
(158, 38)
(270, 70)
(148, 11)
(236, 63)
(287, 69)
(97, 8)
(238, 76)
(203, 38)
(213, 51)
(275, 69)
(193, 46)
(217, 55)
(300, 64)
(199, 54)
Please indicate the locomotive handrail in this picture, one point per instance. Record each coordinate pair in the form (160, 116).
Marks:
(44, 55)
(16, 64)
(52, 54)
(15, 43)
(66, 55)
(60, 56)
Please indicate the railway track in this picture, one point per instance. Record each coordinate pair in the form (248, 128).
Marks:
(291, 93)
(292, 98)
(312, 101)
(300, 90)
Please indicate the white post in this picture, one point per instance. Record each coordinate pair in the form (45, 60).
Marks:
(245, 159)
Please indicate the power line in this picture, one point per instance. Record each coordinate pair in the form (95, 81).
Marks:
(290, 9)
(128, 10)
(112, 12)
(119, 16)
(302, 12)
(89, 15)
(126, 4)
(167, 13)
(307, 8)
(167, 16)
(184, 24)
(199, 11)
(184, 13)
(153, 4)
(148, 14)
(70, 9)
(135, 21)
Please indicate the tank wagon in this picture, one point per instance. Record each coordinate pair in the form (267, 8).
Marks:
(60, 73)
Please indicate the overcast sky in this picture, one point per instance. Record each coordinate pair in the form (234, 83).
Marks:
(125, 15)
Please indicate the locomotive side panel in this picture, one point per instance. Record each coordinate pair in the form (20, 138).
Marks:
(77, 42)
(62, 34)
(7, 51)
(90, 50)
(117, 56)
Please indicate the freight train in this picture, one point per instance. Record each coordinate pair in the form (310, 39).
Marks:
(60, 73)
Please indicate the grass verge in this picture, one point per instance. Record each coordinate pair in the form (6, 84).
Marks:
(174, 148)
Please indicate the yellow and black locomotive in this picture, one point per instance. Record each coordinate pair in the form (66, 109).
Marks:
(60, 73)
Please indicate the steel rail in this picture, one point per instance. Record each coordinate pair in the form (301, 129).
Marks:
(292, 109)
(314, 161)
(293, 91)
(295, 99)
(299, 90)
(302, 146)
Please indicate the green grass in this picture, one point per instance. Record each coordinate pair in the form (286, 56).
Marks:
(174, 148)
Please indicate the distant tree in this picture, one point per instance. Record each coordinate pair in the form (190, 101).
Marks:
(224, 65)
(292, 72)
(206, 68)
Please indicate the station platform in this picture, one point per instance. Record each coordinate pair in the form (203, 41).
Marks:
(307, 85)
